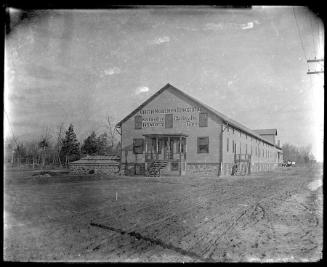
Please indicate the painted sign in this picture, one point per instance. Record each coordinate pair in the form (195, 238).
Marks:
(183, 115)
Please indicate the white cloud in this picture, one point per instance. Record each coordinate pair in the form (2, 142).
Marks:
(213, 26)
(141, 89)
(112, 71)
(229, 26)
(249, 25)
(186, 28)
(160, 40)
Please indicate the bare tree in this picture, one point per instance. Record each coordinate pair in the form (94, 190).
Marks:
(44, 144)
(111, 130)
(59, 141)
(33, 151)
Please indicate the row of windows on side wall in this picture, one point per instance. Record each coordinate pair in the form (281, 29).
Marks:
(169, 120)
(246, 136)
(266, 153)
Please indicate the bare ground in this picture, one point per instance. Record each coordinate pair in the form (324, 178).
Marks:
(274, 216)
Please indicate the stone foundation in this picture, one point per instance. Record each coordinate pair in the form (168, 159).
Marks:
(203, 169)
(82, 169)
(227, 169)
(255, 167)
(263, 167)
(131, 169)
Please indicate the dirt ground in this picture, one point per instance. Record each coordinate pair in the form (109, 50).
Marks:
(274, 216)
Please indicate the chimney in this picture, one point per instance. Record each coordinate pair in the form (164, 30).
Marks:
(278, 143)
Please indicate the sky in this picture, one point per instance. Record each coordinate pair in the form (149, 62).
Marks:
(79, 66)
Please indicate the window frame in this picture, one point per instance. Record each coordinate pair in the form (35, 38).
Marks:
(172, 121)
(134, 146)
(206, 121)
(136, 121)
(198, 145)
(227, 145)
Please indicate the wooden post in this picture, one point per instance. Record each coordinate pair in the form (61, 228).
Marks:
(157, 148)
(180, 144)
(146, 144)
(168, 147)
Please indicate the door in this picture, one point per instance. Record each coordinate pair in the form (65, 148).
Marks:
(171, 154)
(161, 144)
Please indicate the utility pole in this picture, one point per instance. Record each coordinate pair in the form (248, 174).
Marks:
(315, 60)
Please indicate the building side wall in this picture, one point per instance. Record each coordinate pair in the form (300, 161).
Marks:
(263, 156)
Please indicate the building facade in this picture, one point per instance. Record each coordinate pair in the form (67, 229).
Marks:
(172, 133)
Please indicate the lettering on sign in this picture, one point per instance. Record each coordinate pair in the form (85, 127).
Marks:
(169, 110)
(190, 120)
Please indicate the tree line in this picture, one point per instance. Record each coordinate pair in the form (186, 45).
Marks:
(301, 155)
(61, 147)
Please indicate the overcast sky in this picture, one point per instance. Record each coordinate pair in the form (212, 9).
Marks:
(80, 66)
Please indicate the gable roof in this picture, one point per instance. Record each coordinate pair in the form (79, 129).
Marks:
(266, 131)
(225, 119)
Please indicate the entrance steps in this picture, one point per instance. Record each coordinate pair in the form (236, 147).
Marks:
(155, 167)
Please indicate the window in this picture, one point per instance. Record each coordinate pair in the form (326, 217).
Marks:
(227, 128)
(233, 130)
(203, 119)
(203, 144)
(240, 134)
(174, 166)
(138, 122)
(138, 145)
(227, 144)
(246, 148)
(233, 148)
(169, 121)
(240, 147)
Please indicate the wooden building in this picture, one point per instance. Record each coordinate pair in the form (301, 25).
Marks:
(172, 133)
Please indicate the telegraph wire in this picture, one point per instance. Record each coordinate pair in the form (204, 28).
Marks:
(313, 37)
(297, 26)
(302, 45)
(316, 45)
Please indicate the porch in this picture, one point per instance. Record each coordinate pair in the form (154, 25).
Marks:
(167, 149)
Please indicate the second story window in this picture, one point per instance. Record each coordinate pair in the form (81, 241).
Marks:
(203, 119)
(138, 122)
(169, 121)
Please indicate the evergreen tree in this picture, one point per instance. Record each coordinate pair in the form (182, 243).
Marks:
(70, 147)
(90, 145)
(103, 144)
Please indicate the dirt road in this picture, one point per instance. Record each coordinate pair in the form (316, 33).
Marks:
(273, 216)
